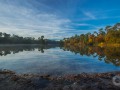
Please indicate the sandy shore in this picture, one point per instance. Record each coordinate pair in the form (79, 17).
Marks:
(9, 80)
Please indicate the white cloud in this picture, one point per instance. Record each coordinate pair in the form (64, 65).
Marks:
(100, 15)
(89, 15)
(28, 18)
(83, 24)
(26, 22)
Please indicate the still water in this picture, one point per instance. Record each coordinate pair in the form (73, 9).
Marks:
(54, 60)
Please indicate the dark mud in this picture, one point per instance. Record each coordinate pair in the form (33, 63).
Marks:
(9, 80)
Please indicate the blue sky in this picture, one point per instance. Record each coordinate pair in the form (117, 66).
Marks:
(56, 19)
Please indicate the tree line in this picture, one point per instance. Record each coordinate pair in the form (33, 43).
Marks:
(104, 36)
(15, 39)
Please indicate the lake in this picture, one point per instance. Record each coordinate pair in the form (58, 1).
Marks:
(55, 60)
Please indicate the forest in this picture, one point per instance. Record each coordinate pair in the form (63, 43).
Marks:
(15, 39)
(108, 36)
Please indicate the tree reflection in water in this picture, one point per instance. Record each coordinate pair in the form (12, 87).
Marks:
(13, 49)
(108, 54)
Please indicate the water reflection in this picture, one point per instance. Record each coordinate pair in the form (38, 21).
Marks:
(108, 54)
(57, 60)
(13, 49)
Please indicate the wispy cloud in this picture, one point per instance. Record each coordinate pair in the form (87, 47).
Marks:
(89, 15)
(26, 22)
(55, 19)
(100, 14)
(83, 24)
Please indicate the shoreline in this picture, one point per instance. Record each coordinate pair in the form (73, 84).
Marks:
(84, 81)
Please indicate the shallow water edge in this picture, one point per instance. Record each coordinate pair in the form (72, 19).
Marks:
(99, 81)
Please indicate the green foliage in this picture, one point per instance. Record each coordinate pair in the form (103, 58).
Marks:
(15, 39)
